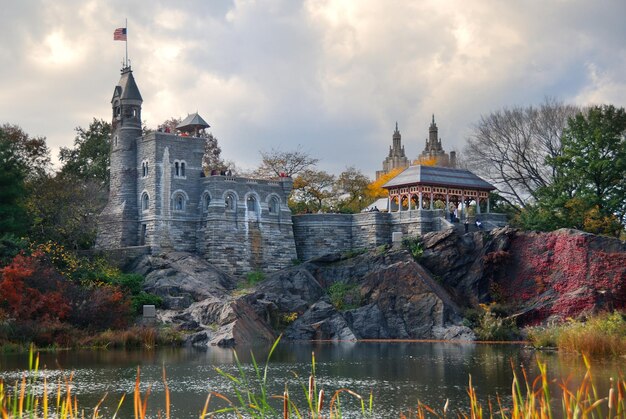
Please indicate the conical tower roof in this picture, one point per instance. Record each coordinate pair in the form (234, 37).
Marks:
(127, 87)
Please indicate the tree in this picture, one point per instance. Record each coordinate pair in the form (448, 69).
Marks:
(375, 189)
(31, 153)
(169, 125)
(509, 148)
(89, 159)
(212, 158)
(351, 190)
(310, 189)
(13, 214)
(592, 165)
(286, 163)
(65, 209)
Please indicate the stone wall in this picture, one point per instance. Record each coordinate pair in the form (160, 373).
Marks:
(246, 225)
(319, 234)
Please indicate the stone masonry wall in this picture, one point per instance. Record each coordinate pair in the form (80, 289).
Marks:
(320, 234)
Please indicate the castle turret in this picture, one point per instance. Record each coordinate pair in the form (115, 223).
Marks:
(118, 222)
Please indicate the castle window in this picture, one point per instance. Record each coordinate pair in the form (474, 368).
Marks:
(230, 201)
(144, 168)
(179, 200)
(179, 168)
(251, 204)
(273, 206)
(145, 202)
(206, 201)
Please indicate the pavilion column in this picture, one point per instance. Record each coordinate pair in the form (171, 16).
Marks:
(409, 202)
(487, 205)
(420, 200)
(462, 206)
(432, 207)
(477, 205)
(388, 203)
(445, 214)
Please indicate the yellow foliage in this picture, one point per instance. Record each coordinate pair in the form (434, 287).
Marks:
(426, 161)
(375, 189)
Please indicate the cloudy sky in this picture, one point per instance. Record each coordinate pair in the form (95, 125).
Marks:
(331, 76)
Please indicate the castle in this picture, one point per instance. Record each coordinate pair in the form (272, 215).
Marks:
(433, 152)
(160, 200)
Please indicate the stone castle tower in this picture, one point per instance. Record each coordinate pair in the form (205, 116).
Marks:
(118, 222)
(160, 198)
(397, 157)
(434, 150)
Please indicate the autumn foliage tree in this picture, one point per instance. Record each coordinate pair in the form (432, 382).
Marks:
(375, 189)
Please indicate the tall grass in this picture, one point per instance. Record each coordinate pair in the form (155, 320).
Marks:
(530, 399)
(601, 335)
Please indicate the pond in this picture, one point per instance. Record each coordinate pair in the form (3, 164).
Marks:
(399, 374)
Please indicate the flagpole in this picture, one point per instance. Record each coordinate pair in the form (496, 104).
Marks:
(126, 42)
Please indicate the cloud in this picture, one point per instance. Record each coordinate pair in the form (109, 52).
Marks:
(331, 75)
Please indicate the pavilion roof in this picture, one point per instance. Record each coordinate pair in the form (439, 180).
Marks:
(439, 176)
(192, 122)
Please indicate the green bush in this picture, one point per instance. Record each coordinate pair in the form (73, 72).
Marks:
(10, 246)
(543, 337)
(413, 245)
(491, 327)
(254, 277)
(344, 296)
(143, 298)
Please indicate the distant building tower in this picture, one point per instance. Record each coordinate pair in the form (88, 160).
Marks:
(396, 158)
(434, 150)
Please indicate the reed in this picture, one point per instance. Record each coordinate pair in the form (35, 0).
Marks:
(530, 398)
(601, 335)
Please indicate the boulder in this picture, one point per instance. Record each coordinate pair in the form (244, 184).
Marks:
(320, 322)
(182, 278)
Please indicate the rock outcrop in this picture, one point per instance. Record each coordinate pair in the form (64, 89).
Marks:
(182, 278)
(386, 294)
(537, 276)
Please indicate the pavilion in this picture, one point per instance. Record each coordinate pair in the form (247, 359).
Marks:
(194, 124)
(419, 187)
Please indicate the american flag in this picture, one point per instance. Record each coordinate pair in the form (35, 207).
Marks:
(119, 34)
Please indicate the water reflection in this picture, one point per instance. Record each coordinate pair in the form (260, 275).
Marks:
(398, 373)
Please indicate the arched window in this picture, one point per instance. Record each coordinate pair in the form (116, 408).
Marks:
(251, 204)
(144, 168)
(273, 206)
(179, 201)
(176, 169)
(182, 169)
(145, 202)
(206, 201)
(230, 202)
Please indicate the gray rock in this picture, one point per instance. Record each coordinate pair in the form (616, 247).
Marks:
(182, 278)
(453, 332)
(321, 322)
(368, 322)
